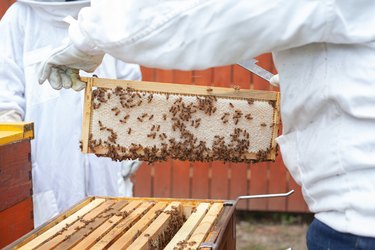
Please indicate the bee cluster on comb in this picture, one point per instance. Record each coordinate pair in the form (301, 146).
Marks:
(127, 123)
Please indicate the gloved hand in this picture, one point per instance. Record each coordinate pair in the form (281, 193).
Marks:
(62, 66)
(275, 80)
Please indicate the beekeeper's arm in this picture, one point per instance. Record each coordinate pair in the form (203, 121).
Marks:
(12, 100)
(190, 34)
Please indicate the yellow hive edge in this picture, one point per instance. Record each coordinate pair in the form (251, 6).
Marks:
(13, 132)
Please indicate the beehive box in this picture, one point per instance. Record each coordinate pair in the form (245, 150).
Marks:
(15, 181)
(137, 223)
(155, 121)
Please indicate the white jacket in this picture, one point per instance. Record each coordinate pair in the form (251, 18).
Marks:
(324, 51)
(62, 175)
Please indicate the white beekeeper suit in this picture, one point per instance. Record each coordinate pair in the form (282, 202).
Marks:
(62, 175)
(324, 53)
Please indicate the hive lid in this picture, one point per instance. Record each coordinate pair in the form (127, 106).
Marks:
(12, 132)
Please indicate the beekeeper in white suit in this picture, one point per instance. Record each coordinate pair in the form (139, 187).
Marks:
(324, 51)
(62, 175)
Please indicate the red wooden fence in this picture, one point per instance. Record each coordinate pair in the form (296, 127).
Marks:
(216, 180)
(4, 4)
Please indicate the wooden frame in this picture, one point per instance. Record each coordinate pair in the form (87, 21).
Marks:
(171, 88)
(118, 223)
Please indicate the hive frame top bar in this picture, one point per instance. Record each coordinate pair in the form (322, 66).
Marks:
(177, 89)
(174, 88)
(43, 230)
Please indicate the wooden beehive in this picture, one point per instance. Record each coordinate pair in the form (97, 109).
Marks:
(137, 223)
(16, 208)
(155, 121)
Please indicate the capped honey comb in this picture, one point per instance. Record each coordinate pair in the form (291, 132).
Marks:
(157, 121)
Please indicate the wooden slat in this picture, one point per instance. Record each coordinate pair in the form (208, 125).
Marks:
(295, 203)
(163, 76)
(162, 179)
(82, 232)
(277, 184)
(241, 77)
(186, 202)
(174, 88)
(258, 185)
(239, 183)
(219, 181)
(156, 228)
(123, 226)
(276, 128)
(15, 173)
(222, 77)
(52, 231)
(220, 224)
(201, 232)
(107, 225)
(16, 221)
(15, 194)
(200, 180)
(180, 179)
(15, 156)
(143, 181)
(126, 239)
(71, 229)
(87, 116)
(15, 176)
(228, 239)
(189, 226)
(203, 77)
(148, 74)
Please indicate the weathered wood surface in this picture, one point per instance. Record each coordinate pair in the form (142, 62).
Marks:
(128, 223)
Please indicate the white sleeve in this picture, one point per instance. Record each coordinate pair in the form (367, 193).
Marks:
(128, 71)
(12, 78)
(195, 34)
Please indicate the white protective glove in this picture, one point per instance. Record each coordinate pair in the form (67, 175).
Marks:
(275, 80)
(62, 66)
